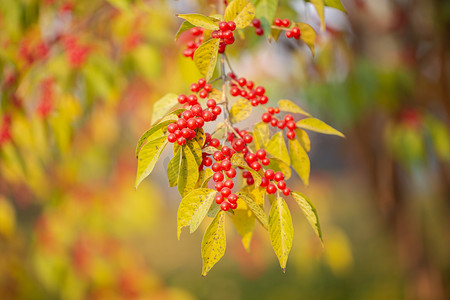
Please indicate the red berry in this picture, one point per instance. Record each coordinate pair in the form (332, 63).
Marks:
(259, 31)
(208, 88)
(226, 165)
(238, 145)
(235, 91)
(182, 99)
(197, 110)
(242, 81)
(250, 85)
(218, 176)
(218, 156)
(207, 138)
(264, 182)
(286, 22)
(192, 99)
(288, 118)
(200, 122)
(296, 32)
(256, 166)
(271, 110)
(231, 173)
(248, 138)
(244, 151)
(250, 158)
(228, 34)
(214, 143)
(233, 205)
(256, 23)
(260, 91)
(192, 123)
(289, 34)
(276, 110)
(182, 123)
(255, 102)
(261, 153)
(207, 161)
(229, 41)
(219, 186)
(201, 82)
(281, 124)
(186, 132)
(271, 188)
(172, 127)
(291, 125)
(187, 114)
(263, 99)
(217, 110)
(265, 161)
(243, 93)
(287, 191)
(211, 103)
(278, 22)
(266, 117)
(250, 181)
(232, 75)
(207, 115)
(172, 138)
(181, 141)
(178, 133)
(219, 199)
(203, 94)
(269, 174)
(232, 198)
(216, 167)
(229, 183)
(225, 192)
(231, 25)
(281, 184)
(290, 134)
(225, 206)
(226, 150)
(195, 87)
(274, 122)
(246, 174)
(223, 26)
(278, 176)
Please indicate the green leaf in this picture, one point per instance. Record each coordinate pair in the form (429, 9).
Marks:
(303, 138)
(319, 5)
(308, 35)
(213, 210)
(265, 12)
(261, 135)
(281, 231)
(240, 110)
(238, 160)
(188, 176)
(277, 164)
(335, 4)
(317, 125)
(254, 207)
(200, 21)
(214, 242)
(277, 148)
(184, 26)
(241, 12)
(163, 106)
(205, 57)
(173, 168)
(148, 156)
(193, 209)
(300, 160)
(163, 123)
(289, 106)
(310, 212)
(244, 222)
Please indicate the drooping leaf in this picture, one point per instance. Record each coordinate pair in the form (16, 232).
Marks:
(240, 110)
(244, 222)
(238, 160)
(308, 35)
(281, 231)
(335, 4)
(196, 150)
(275, 33)
(254, 207)
(205, 57)
(148, 156)
(213, 210)
(303, 138)
(320, 8)
(289, 106)
(208, 174)
(216, 95)
(265, 12)
(193, 209)
(241, 12)
(213, 243)
(300, 160)
(173, 168)
(200, 137)
(200, 20)
(317, 125)
(209, 150)
(261, 135)
(277, 147)
(277, 164)
(163, 106)
(183, 27)
(188, 172)
(310, 212)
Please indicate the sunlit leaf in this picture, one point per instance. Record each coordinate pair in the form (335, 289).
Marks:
(300, 160)
(277, 164)
(173, 168)
(205, 57)
(240, 110)
(241, 12)
(213, 210)
(289, 106)
(308, 35)
(319, 5)
(120, 4)
(7, 218)
(310, 212)
(208, 174)
(335, 4)
(303, 138)
(317, 125)
(265, 12)
(261, 135)
(213, 243)
(244, 222)
(193, 209)
(183, 27)
(196, 150)
(281, 231)
(216, 95)
(148, 156)
(200, 137)
(254, 207)
(200, 21)
(188, 176)
(163, 106)
(277, 147)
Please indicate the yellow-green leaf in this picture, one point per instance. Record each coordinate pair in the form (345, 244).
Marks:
(244, 222)
(240, 110)
(261, 135)
(308, 35)
(193, 209)
(300, 160)
(277, 148)
(213, 210)
(206, 177)
(335, 4)
(317, 125)
(265, 12)
(200, 137)
(173, 168)
(254, 207)
(241, 12)
(163, 106)
(281, 231)
(196, 150)
(183, 27)
(303, 138)
(216, 95)
(149, 133)
(319, 5)
(277, 164)
(200, 20)
(310, 212)
(213, 243)
(148, 156)
(289, 106)
(205, 57)
(187, 179)
(238, 160)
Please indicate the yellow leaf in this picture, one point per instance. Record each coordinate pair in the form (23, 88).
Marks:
(289, 106)
(188, 177)
(281, 231)
(254, 207)
(240, 110)
(300, 160)
(317, 125)
(277, 164)
(200, 21)
(310, 212)
(277, 148)
(193, 209)
(261, 135)
(308, 35)
(335, 4)
(183, 27)
(148, 156)
(163, 106)
(241, 12)
(7, 218)
(216, 95)
(244, 221)
(213, 243)
(303, 138)
(205, 57)
(173, 168)
(319, 5)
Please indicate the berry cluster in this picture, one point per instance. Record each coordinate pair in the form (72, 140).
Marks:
(257, 24)
(246, 89)
(76, 53)
(287, 122)
(268, 180)
(202, 88)
(32, 53)
(5, 129)
(282, 23)
(292, 33)
(194, 42)
(225, 34)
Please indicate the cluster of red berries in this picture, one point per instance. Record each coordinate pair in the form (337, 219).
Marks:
(287, 122)
(76, 53)
(246, 89)
(202, 88)
(270, 176)
(281, 23)
(225, 34)
(292, 33)
(5, 129)
(195, 41)
(46, 104)
(32, 53)
(257, 24)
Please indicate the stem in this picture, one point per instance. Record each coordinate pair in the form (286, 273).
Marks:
(229, 65)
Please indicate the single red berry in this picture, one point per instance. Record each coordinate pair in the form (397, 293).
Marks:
(281, 124)
(226, 150)
(290, 134)
(256, 166)
(192, 123)
(207, 138)
(225, 206)
(242, 81)
(235, 91)
(232, 198)
(218, 156)
(197, 31)
(255, 102)
(260, 91)
(250, 84)
(186, 132)
(231, 173)
(196, 110)
(211, 103)
(172, 127)
(225, 192)
(229, 183)
(269, 174)
(233, 205)
(182, 123)
(228, 34)
(172, 138)
(195, 87)
(201, 82)
(271, 188)
(214, 143)
(248, 138)
(278, 176)
(192, 99)
(231, 25)
(265, 161)
(207, 115)
(226, 165)
(266, 117)
(216, 167)
(232, 75)
(182, 99)
(278, 22)
(287, 191)
(245, 150)
(207, 161)
(219, 199)
(288, 118)
(218, 176)
(263, 99)
(291, 125)
(187, 114)
(246, 174)
(244, 93)
(238, 145)
(256, 23)
(289, 34)
(178, 133)
(274, 122)
(250, 181)
(276, 110)
(250, 158)
(271, 110)
(217, 110)
(208, 88)
(264, 182)
(200, 122)
(281, 184)
(219, 186)
(203, 94)
(259, 31)
(261, 153)
(181, 141)
(223, 26)
(296, 32)
(242, 132)
(286, 22)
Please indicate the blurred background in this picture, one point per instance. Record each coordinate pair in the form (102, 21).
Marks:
(77, 83)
